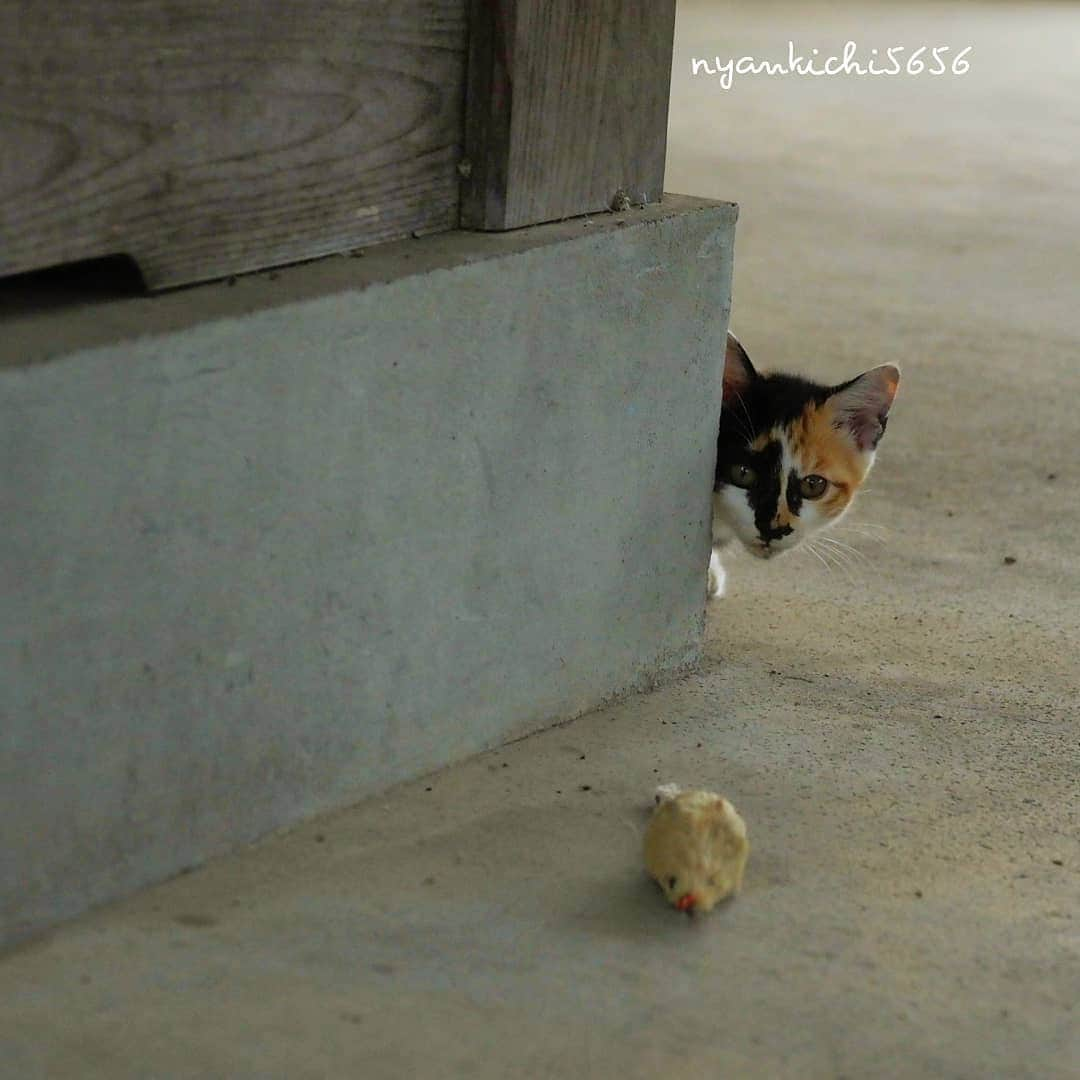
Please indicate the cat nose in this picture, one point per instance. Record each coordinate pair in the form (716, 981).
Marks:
(776, 533)
(686, 902)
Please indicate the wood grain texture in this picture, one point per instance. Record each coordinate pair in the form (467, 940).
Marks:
(567, 104)
(206, 138)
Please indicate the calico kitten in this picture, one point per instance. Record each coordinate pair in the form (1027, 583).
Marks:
(790, 454)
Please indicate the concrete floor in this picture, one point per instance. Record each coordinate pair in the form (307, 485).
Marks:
(901, 734)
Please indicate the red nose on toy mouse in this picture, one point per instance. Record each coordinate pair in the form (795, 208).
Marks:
(695, 848)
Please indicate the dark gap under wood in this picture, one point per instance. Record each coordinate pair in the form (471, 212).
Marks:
(74, 284)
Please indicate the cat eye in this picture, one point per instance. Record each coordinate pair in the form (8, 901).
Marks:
(813, 487)
(671, 882)
(742, 475)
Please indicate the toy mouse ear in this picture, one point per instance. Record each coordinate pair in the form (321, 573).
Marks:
(665, 793)
(739, 373)
(862, 405)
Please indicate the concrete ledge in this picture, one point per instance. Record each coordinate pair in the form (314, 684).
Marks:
(272, 548)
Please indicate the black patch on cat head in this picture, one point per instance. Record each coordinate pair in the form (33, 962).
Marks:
(794, 492)
(769, 401)
(765, 494)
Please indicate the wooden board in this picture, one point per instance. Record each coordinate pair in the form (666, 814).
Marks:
(205, 138)
(567, 104)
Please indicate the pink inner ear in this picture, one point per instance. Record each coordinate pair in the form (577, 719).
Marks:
(738, 371)
(867, 430)
(863, 405)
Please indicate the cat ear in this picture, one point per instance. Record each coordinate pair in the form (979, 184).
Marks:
(739, 373)
(862, 405)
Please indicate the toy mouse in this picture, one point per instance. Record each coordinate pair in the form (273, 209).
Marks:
(695, 848)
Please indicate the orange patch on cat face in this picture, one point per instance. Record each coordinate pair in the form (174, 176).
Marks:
(822, 448)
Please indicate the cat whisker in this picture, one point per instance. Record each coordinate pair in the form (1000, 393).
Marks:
(746, 412)
(835, 549)
(809, 546)
(747, 429)
(740, 428)
(862, 526)
(834, 558)
(846, 549)
(839, 543)
(829, 556)
(854, 560)
(874, 533)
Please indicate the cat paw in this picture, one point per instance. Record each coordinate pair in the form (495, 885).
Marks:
(717, 578)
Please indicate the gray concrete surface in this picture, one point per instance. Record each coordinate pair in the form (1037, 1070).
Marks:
(260, 565)
(901, 735)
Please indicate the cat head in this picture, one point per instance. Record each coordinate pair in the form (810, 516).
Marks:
(791, 453)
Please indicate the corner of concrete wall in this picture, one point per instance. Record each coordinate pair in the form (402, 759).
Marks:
(261, 563)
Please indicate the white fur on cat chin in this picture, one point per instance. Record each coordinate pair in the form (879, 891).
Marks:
(717, 576)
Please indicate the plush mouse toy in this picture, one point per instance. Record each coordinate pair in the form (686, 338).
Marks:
(695, 848)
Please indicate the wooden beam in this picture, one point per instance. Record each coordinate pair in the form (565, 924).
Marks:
(567, 106)
(205, 138)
